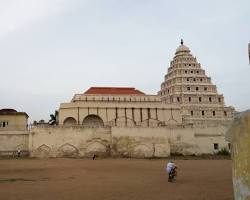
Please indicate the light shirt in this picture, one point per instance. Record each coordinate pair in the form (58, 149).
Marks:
(170, 166)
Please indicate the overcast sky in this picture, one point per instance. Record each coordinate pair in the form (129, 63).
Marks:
(52, 49)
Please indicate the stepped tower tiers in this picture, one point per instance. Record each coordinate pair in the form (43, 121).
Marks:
(187, 84)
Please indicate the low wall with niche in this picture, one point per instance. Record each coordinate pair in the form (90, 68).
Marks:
(69, 142)
(138, 142)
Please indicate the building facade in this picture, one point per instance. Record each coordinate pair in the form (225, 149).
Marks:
(13, 131)
(11, 120)
(187, 116)
(117, 106)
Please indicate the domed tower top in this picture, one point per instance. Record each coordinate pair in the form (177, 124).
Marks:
(182, 50)
(187, 84)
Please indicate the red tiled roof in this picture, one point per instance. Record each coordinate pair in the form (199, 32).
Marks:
(114, 90)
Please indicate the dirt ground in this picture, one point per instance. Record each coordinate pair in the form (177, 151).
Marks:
(108, 179)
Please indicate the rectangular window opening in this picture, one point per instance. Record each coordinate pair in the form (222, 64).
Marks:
(225, 113)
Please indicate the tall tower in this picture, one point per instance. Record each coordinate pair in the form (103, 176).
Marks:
(187, 84)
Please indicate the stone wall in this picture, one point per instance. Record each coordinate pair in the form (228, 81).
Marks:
(69, 141)
(142, 142)
(11, 141)
(206, 138)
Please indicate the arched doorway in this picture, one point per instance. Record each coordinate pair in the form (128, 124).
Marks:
(69, 121)
(93, 121)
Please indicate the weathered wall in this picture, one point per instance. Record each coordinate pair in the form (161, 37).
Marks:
(240, 138)
(71, 142)
(123, 141)
(140, 142)
(10, 141)
(206, 138)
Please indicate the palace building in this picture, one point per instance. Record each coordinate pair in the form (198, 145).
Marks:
(117, 106)
(187, 116)
(187, 97)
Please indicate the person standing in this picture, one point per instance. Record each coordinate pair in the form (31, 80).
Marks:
(18, 153)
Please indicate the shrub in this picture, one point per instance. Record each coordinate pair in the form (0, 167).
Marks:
(223, 151)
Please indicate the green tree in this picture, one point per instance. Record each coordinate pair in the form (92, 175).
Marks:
(54, 118)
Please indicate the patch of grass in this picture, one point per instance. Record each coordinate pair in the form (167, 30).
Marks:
(223, 151)
(9, 180)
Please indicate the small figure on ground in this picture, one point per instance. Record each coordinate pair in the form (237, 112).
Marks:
(94, 156)
(18, 153)
(171, 170)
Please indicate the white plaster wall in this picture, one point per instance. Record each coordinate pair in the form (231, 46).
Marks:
(182, 141)
(54, 141)
(140, 142)
(206, 137)
(13, 140)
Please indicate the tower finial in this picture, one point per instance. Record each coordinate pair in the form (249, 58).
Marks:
(181, 41)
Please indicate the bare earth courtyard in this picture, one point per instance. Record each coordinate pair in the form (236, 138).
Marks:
(107, 179)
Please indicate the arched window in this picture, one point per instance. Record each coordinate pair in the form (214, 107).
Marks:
(69, 121)
(92, 121)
